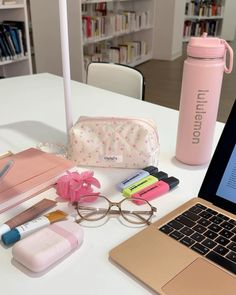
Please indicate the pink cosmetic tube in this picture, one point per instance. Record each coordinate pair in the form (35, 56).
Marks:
(27, 215)
(155, 190)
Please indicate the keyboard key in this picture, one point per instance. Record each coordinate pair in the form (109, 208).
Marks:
(222, 261)
(225, 233)
(200, 249)
(227, 225)
(176, 235)
(187, 241)
(166, 229)
(216, 219)
(213, 212)
(195, 209)
(222, 240)
(223, 216)
(185, 221)
(221, 250)
(233, 239)
(232, 221)
(186, 231)
(231, 256)
(204, 222)
(214, 227)
(175, 224)
(209, 243)
(200, 229)
(205, 214)
(191, 215)
(210, 234)
(232, 246)
(197, 237)
(201, 206)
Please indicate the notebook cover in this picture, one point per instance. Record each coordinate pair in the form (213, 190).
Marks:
(33, 171)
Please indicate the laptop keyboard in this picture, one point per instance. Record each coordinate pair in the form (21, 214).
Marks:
(207, 232)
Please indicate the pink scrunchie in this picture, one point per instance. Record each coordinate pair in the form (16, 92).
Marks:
(73, 185)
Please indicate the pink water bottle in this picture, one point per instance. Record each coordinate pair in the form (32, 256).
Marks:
(200, 93)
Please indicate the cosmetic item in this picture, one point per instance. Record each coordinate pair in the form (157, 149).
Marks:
(49, 245)
(136, 177)
(155, 190)
(141, 184)
(27, 215)
(6, 168)
(28, 228)
(200, 94)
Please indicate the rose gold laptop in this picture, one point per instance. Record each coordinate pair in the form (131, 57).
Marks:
(192, 250)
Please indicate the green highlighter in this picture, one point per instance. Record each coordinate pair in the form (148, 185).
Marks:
(144, 182)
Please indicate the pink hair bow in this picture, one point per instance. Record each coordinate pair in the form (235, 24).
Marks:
(73, 185)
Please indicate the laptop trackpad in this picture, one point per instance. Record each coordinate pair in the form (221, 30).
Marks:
(201, 278)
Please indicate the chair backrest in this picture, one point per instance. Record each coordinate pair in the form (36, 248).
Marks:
(116, 78)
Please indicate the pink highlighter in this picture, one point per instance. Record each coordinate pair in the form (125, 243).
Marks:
(155, 190)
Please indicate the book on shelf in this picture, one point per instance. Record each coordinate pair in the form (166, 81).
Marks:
(32, 172)
(206, 8)
(12, 40)
(20, 26)
(125, 52)
(196, 28)
(112, 24)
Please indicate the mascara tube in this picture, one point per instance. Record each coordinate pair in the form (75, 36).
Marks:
(27, 215)
(28, 228)
(136, 177)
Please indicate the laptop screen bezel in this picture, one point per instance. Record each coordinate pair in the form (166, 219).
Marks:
(219, 161)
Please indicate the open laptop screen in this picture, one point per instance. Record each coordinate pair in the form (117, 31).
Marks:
(227, 187)
(219, 184)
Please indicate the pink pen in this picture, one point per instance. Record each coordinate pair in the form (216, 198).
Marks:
(155, 190)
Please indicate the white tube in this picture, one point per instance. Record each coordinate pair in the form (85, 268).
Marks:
(66, 63)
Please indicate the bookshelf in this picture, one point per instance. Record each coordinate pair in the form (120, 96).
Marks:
(212, 16)
(17, 60)
(113, 30)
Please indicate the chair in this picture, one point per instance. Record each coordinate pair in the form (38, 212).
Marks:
(117, 78)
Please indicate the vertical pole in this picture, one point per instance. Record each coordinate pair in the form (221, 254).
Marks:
(66, 63)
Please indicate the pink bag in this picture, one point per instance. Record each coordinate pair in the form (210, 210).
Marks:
(114, 142)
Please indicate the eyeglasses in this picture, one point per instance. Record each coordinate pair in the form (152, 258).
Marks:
(93, 208)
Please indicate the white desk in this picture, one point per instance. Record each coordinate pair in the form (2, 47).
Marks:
(32, 111)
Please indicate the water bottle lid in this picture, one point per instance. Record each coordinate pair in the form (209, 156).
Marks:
(206, 47)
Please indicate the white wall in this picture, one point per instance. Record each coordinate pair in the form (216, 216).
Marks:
(168, 29)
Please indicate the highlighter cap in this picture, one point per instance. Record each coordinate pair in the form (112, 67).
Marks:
(171, 181)
(159, 175)
(150, 169)
(11, 237)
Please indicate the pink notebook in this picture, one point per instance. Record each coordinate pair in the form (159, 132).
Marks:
(32, 172)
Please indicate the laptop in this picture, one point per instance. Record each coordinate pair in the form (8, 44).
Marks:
(192, 250)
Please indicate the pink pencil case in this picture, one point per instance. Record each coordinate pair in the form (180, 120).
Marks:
(42, 249)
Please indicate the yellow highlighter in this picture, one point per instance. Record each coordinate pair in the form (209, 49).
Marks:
(142, 183)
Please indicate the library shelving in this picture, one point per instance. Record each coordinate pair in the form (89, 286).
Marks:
(15, 57)
(211, 16)
(119, 31)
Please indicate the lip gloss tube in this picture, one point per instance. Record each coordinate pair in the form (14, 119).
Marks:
(27, 215)
(136, 177)
(155, 190)
(144, 182)
(28, 228)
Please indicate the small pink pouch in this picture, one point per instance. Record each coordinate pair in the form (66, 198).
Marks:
(114, 142)
(43, 248)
